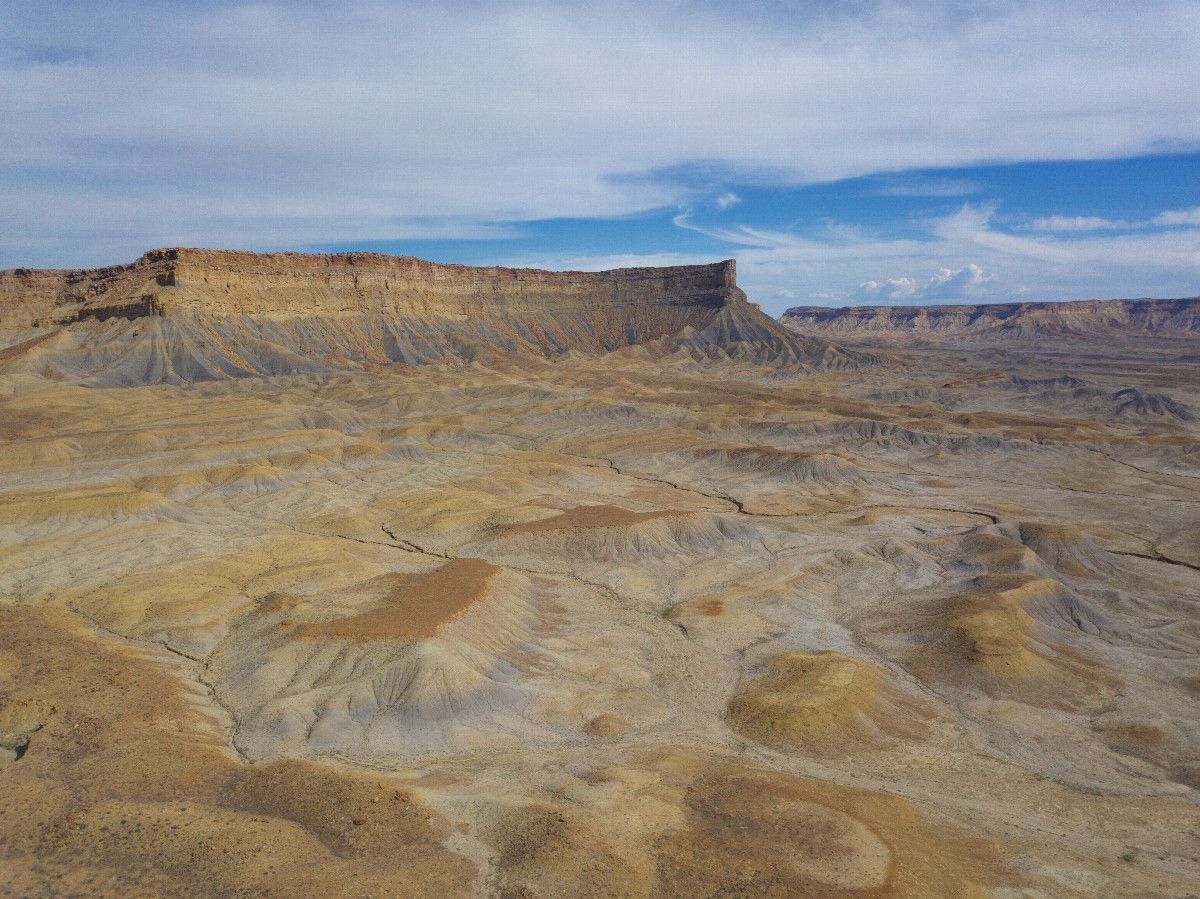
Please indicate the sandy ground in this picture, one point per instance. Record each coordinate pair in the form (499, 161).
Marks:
(608, 627)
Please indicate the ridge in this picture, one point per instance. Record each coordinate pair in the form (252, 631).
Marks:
(1078, 317)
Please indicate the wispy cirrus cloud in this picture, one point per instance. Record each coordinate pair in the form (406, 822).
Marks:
(1166, 219)
(1075, 223)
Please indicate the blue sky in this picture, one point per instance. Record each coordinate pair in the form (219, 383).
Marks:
(843, 152)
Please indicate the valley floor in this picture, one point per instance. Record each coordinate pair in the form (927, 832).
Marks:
(607, 626)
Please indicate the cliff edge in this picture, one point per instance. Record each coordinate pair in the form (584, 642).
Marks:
(230, 282)
(183, 315)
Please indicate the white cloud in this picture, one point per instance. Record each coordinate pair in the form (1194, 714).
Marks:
(961, 247)
(1179, 217)
(945, 286)
(1101, 265)
(1169, 218)
(841, 265)
(971, 224)
(892, 289)
(1075, 223)
(727, 200)
(264, 124)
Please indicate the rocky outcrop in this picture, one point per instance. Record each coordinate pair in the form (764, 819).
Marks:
(182, 315)
(1089, 317)
(223, 282)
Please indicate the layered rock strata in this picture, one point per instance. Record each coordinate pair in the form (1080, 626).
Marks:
(181, 315)
(1125, 317)
(229, 282)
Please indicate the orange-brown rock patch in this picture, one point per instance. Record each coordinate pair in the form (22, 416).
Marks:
(417, 605)
(601, 516)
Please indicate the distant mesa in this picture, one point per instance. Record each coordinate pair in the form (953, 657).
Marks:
(184, 315)
(1012, 320)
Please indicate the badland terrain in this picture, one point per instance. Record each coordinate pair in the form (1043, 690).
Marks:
(358, 575)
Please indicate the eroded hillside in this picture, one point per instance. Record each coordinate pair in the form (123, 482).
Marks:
(684, 618)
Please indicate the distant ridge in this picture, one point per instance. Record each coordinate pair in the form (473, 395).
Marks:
(1180, 317)
(182, 315)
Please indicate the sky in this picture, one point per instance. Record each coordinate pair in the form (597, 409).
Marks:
(843, 151)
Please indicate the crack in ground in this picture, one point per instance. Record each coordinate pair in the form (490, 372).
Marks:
(210, 688)
(738, 506)
(1157, 557)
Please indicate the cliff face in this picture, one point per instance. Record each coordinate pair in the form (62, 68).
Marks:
(1089, 317)
(183, 315)
(219, 282)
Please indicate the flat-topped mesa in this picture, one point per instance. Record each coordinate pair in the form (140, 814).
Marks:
(1180, 317)
(219, 282)
(178, 316)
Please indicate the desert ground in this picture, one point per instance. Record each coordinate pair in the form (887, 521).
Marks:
(917, 619)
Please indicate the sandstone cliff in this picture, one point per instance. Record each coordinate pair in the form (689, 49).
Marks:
(1089, 317)
(181, 315)
(289, 284)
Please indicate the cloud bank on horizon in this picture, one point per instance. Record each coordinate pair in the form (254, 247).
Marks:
(843, 152)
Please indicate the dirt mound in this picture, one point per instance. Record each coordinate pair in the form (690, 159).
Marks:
(655, 535)
(1163, 745)
(65, 505)
(785, 466)
(1067, 549)
(1134, 402)
(421, 671)
(690, 824)
(822, 704)
(1000, 638)
(997, 553)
